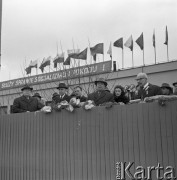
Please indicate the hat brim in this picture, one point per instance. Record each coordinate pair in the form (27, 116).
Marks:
(26, 88)
(62, 87)
(105, 83)
(37, 96)
(170, 88)
(174, 83)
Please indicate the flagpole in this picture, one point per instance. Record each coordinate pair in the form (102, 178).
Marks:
(143, 58)
(155, 54)
(37, 68)
(122, 58)
(90, 52)
(167, 53)
(103, 52)
(74, 52)
(132, 59)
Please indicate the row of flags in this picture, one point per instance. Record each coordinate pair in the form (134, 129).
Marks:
(139, 41)
(75, 54)
(97, 49)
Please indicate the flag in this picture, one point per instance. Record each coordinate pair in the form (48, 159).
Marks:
(97, 49)
(140, 41)
(82, 55)
(119, 43)
(129, 43)
(58, 59)
(45, 62)
(33, 64)
(153, 38)
(73, 51)
(67, 61)
(28, 70)
(110, 50)
(166, 36)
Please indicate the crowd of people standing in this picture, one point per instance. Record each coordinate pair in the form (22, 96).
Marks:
(120, 95)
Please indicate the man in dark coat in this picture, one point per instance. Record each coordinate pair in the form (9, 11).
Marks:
(26, 103)
(61, 96)
(146, 89)
(175, 88)
(78, 94)
(101, 95)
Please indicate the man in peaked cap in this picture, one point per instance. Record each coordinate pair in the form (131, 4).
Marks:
(146, 89)
(101, 95)
(26, 103)
(61, 96)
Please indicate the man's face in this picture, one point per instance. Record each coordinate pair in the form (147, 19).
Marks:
(62, 91)
(100, 86)
(27, 92)
(175, 87)
(77, 92)
(165, 91)
(141, 81)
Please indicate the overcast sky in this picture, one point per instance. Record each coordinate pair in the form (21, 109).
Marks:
(32, 28)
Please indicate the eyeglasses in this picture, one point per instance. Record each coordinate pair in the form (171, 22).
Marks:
(140, 79)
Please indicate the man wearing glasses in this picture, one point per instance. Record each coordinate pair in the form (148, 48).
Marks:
(146, 89)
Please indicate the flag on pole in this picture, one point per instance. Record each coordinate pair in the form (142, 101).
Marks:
(33, 64)
(140, 41)
(67, 61)
(45, 62)
(110, 50)
(166, 36)
(28, 70)
(58, 59)
(153, 39)
(129, 43)
(97, 49)
(73, 51)
(119, 43)
(82, 55)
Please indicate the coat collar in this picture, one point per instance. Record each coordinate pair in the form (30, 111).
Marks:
(100, 94)
(26, 99)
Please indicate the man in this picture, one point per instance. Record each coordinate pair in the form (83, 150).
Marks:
(61, 96)
(39, 98)
(166, 89)
(101, 95)
(78, 94)
(175, 88)
(26, 103)
(146, 89)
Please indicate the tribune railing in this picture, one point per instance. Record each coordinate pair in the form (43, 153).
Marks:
(123, 142)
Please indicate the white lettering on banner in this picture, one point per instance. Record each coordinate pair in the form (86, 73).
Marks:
(8, 84)
(67, 73)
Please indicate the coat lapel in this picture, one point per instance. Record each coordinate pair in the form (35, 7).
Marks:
(99, 95)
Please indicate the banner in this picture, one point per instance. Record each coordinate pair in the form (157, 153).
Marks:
(92, 69)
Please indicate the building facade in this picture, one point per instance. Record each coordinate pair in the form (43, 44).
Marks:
(46, 84)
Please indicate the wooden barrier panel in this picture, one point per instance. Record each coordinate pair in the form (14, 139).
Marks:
(90, 145)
